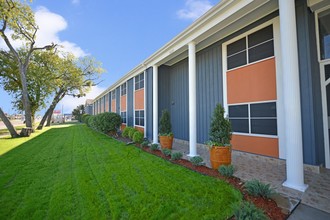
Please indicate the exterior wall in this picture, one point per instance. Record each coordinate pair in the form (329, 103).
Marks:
(310, 88)
(123, 103)
(139, 99)
(106, 102)
(89, 109)
(130, 112)
(149, 103)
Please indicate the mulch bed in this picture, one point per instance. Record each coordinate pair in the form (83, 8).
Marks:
(268, 205)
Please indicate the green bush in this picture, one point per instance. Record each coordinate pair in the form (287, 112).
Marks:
(154, 147)
(165, 126)
(220, 130)
(92, 122)
(145, 143)
(176, 156)
(108, 122)
(131, 133)
(256, 188)
(166, 152)
(138, 137)
(226, 170)
(85, 118)
(197, 161)
(126, 132)
(248, 211)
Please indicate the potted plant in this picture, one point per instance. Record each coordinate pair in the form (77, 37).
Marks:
(220, 136)
(165, 130)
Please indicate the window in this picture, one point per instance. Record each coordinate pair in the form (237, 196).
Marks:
(139, 118)
(123, 117)
(254, 118)
(139, 81)
(324, 33)
(256, 46)
(113, 95)
(123, 89)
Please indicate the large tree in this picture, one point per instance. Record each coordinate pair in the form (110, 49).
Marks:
(19, 18)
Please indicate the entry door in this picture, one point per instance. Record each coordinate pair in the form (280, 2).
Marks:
(325, 77)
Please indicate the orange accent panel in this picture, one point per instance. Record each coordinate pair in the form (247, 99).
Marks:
(139, 129)
(123, 103)
(107, 106)
(257, 145)
(252, 83)
(113, 105)
(139, 99)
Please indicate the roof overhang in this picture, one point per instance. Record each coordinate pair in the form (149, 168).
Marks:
(315, 5)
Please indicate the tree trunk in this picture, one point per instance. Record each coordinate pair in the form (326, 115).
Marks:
(43, 120)
(25, 95)
(50, 114)
(8, 124)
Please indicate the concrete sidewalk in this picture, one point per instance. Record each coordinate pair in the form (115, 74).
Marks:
(305, 212)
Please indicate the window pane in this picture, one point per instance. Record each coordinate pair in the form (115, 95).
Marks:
(264, 126)
(236, 60)
(240, 125)
(236, 47)
(142, 84)
(142, 114)
(137, 114)
(327, 71)
(262, 51)
(324, 31)
(240, 111)
(136, 121)
(260, 36)
(263, 110)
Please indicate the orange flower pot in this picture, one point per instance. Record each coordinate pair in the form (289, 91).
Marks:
(220, 156)
(166, 141)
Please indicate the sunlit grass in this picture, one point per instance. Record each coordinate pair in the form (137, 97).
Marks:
(76, 173)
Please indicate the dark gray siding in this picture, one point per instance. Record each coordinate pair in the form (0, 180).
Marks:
(118, 100)
(109, 98)
(209, 88)
(310, 88)
(130, 107)
(149, 103)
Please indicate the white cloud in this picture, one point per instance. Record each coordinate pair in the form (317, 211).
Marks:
(69, 103)
(194, 9)
(75, 2)
(50, 24)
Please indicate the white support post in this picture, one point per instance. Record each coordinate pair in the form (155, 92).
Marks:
(192, 101)
(155, 104)
(290, 70)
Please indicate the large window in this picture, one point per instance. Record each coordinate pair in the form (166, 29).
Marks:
(254, 118)
(256, 46)
(123, 117)
(139, 118)
(123, 89)
(324, 33)
(139, 81)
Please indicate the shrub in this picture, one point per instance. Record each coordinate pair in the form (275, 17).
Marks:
(176, 156)
(246, 211)
(220, 130)
(154, 147)
(108, 122)
(165, 126)
(145, 143)
(226, 170)
(256, 188)
(131, 133)
(138, 137)
(92, 122)
(126, 132)
(197, 161)
(85, 118)
(166, 152)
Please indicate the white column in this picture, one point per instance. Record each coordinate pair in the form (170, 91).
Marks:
(192, 101)
(290, 70)
(155, 103)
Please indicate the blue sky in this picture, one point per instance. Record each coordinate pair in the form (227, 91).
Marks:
(120, 34)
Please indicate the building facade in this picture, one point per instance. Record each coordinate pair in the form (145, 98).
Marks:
(266, 61)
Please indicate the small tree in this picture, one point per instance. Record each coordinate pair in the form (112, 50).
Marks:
(165, 127)
(220, 131)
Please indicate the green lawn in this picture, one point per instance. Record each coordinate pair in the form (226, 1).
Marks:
(72, 172)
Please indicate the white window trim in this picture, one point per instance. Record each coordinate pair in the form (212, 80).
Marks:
(144, 118)
(126, 117)
(279, 81)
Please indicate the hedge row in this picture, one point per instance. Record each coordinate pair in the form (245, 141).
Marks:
(133, 134)
(107, 122)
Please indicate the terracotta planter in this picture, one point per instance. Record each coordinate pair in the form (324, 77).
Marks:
(220, 156)
(166, 141)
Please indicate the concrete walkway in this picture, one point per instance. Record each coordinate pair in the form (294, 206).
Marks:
(273, 171)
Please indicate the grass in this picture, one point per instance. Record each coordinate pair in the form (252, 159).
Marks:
(75, 173)
(5, 130)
